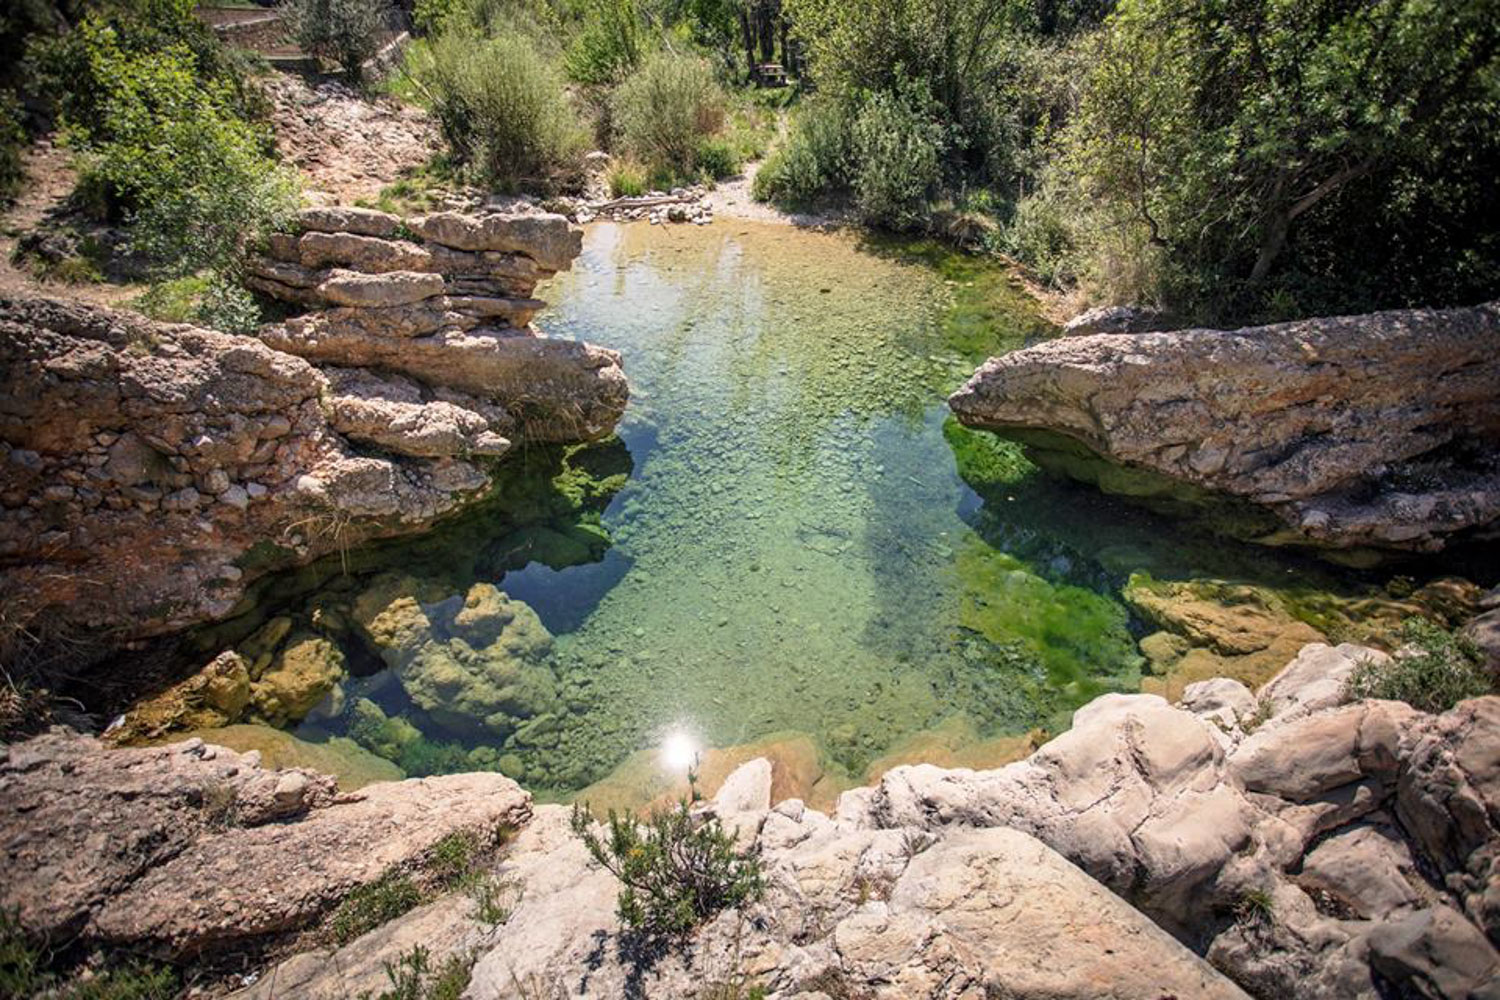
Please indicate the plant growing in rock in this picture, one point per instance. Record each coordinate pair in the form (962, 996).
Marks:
(1437, 670)
(678, 869)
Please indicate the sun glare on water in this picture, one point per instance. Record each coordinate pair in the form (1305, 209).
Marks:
(678, 752)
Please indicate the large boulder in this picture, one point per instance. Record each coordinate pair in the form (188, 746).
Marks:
(1361, 431)
(475, 661)
(190, 847)
(847, 913)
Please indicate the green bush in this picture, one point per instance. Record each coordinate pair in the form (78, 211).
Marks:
(412, 976)
(12, 143)
(344, 32)
(1314, 153)
(503, 110)
(897, 149)
(817, 157)
(666, 109)
(716, 159)
(1442, 670)
(677, 871)
(1041, 235)
(609, 47)
(627, 179)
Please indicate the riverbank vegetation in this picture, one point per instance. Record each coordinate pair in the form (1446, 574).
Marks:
(168, 132)
(1252, 159)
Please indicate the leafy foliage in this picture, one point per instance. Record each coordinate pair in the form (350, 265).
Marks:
(897, 145)
(345, 32)
(677, 871)
(159, 122)
(503, 109)
(610, 46)
(413, 977)
(666, 109)
(12, 142)
(1440, 670)
(1260, 146)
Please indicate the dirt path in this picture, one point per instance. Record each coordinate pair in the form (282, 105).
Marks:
(49, 179)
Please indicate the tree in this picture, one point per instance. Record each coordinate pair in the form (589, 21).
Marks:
(1228, 124)
(345, 32)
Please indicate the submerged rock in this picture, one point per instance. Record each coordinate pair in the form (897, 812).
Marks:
(476, 662)
(1374, 431)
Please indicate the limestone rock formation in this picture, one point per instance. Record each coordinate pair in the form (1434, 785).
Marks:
(188, 847)
(1378, 431)
(847, 912)
(1294, 856)
(150, 471)
(445, 300)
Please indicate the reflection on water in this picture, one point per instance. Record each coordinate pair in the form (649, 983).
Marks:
(794, 551)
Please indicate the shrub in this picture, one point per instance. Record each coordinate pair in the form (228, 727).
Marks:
(503, 110)
(12, 143)
(609, 47)
(412, 976)
(627, 179)
(170, 149)
(897, 148)
(816, 159)
(665, 110)
(345, 32)
(1437, 671)
(369, 906)
(677, 872)
(717, 159)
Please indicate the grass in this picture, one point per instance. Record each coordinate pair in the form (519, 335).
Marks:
(173, 301)
(1255, 906)
(453, 863)
(25, 972)
(627, 179)
(417, 190)
(413, 977)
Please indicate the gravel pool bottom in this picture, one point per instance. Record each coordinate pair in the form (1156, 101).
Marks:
(795, 555)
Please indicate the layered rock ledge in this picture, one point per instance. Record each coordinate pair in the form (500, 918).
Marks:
(1283, 843)
(150, 471)
(1378, 431)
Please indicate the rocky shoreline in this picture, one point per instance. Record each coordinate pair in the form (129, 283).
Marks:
(1352, 434)
(154, 470)
(1286, 842)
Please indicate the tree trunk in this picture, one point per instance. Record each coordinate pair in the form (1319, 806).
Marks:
(749, 46)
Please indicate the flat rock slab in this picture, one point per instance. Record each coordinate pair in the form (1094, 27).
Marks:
(189, 846)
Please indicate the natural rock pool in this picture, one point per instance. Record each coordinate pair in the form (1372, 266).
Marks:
(807, 552)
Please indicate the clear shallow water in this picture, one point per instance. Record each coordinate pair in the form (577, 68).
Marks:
(793, 542)
(794, 549)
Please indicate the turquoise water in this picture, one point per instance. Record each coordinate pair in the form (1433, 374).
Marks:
(780, 542)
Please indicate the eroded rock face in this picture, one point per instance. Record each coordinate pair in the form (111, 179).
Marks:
(445, 300)
(1364, 431)
(848, 912)
(1281, 835)
(188, 847)
(150, 471)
